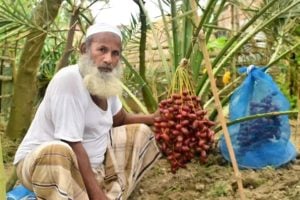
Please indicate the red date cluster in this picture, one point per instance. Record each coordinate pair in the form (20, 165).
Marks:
(182, 131)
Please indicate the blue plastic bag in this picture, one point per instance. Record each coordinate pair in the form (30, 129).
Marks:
(20, 193)
(264, 141)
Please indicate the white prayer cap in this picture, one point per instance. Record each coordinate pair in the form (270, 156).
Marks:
(102, 27)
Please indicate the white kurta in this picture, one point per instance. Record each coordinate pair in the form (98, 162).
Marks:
(67, 112)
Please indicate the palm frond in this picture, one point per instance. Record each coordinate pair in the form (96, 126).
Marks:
(135, 99)
(15, 21)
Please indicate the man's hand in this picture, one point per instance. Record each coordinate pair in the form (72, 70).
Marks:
(122, 118)
(88, 176)
(156, 114)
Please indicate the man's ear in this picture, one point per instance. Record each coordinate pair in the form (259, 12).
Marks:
(83, 48)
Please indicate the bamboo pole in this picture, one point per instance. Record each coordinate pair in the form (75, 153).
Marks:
(202, 44)
(2, 175)
(297, 123)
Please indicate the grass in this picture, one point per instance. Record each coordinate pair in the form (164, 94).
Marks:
(219, 189)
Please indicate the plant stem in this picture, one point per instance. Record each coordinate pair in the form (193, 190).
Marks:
(198, 28)
(141, 106)
(223, 90)
(147, 97)
(224, 101)
(175, 34)
(250, 117)
(166, 29)
(241, 31)
(283, 54)
(209, 30)
(145, 87)
(68, 49)
(160, 49)
(203, 86)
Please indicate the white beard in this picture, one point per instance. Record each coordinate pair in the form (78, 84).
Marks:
(99, 83)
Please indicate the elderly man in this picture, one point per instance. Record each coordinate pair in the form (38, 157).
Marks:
(71, 150)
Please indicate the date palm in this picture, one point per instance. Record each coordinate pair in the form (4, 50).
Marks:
(181, 26)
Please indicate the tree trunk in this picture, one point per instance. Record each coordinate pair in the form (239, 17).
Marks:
(64, 61)
(25, 88)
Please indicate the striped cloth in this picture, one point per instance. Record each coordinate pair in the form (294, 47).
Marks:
(51, 170)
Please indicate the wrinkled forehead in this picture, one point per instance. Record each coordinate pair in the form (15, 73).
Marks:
(107, 39)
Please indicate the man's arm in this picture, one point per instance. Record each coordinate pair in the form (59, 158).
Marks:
(88, 176)
(122, 117)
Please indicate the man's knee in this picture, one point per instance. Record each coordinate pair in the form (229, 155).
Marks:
(55, 152)
(145, 128)
(139, 127)
(48, 154)
(56, 147)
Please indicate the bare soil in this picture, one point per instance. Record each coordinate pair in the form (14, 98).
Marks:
(216, 181)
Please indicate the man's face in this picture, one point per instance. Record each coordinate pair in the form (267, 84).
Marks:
(100, 65)
(105, 51)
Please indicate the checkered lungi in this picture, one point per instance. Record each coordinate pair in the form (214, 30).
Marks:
(51, 170)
